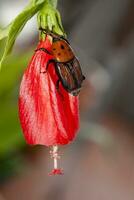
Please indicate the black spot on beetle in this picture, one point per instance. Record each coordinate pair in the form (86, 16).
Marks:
(54, 49)
(62, 46)
(59, 54)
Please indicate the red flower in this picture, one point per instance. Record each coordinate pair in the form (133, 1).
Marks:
(47, 116)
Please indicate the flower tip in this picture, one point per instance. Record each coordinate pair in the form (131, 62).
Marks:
(56, 172)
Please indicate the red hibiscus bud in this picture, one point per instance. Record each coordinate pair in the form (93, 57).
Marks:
(48, 116)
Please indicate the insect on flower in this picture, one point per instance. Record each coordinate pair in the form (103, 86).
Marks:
(66, 64)
(47, 117)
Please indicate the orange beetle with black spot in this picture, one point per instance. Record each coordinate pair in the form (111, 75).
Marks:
(66, 64)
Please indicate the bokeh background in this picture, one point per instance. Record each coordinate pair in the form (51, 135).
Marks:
(99, 165)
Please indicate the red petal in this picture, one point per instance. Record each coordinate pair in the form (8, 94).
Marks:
(46, 116)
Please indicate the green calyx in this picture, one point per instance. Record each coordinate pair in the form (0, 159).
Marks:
(49, 19)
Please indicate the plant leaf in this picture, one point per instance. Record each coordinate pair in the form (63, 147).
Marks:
(17, 25)
(4, 32)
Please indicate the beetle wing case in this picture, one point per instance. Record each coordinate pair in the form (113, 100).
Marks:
(70, 75)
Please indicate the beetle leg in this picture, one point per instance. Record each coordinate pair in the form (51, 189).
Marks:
(48, 63)
(62, 37)
(43, 49)
(57, 84)
(43, 30)
(57, 87)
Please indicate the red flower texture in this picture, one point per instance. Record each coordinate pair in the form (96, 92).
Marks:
(48, 116)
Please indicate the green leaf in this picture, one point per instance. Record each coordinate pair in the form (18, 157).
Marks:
(17, 25)
(4, 32)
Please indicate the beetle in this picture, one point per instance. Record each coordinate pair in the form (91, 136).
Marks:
(66, 64)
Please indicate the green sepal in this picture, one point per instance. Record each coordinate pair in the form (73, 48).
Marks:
(49, 19)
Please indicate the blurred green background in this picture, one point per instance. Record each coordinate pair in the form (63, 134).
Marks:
(10, 131)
